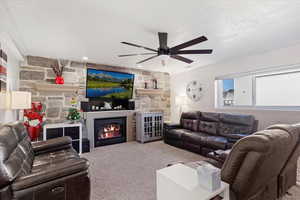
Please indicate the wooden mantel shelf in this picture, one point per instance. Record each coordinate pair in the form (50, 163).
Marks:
(142, 91)
(55, 87)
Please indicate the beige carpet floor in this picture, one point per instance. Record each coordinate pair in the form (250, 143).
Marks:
(127, 171)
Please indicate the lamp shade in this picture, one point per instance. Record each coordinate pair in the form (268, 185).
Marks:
(14, 100)
(4, 100)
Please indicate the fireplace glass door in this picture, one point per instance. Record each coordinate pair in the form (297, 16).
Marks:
(109, 131)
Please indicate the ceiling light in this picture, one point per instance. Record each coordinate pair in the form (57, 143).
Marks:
(85, 58)
(139, 66)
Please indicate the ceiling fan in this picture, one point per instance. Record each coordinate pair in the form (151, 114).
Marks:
(174, 52)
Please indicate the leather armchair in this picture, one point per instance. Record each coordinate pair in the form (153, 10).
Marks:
(45, 170)
(263, 165)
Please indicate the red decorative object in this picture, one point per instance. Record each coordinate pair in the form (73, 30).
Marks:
(59, 80)
(34, 132)
(33, 119)
(58, 70)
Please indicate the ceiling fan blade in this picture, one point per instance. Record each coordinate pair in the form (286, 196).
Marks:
(189, 43)
(146, 59)
(137, 54)
(202, 51)
(163, 40)
(139, 46)
(183, 59)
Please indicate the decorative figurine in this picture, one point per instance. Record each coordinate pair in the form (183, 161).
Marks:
(154, 84)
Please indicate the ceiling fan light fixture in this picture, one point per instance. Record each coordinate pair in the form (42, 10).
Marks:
(174, 52)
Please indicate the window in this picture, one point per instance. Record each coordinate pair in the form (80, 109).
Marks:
(278, 89)
(228, 92)
(275, 89)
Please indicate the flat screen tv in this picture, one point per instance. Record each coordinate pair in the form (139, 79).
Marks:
(109, 85)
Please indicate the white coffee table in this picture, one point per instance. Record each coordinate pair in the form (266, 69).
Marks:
(180, 182)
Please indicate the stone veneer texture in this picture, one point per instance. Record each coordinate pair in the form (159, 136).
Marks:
(57, 103)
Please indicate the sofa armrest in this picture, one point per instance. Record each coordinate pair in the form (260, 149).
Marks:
(51, 172)
(52, 145)
(172, 125)
(224, 154)
(219, 157)
(236, 136)
(233, 138)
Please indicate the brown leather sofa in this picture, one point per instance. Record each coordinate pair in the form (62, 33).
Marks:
(49, 170)
(262, 166)
(204, 132)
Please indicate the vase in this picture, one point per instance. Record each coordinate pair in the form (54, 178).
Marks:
(59, 80)
(34, 132)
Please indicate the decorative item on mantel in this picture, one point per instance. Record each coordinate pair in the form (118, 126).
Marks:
(145, 85)
(154, 84)
(74, 113)
(58, 70)
(33, 119)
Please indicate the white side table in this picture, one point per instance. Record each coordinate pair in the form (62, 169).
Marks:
(180, 182)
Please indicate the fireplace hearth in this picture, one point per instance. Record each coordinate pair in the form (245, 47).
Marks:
(109, 131)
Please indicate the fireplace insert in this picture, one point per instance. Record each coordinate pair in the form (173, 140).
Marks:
(109, 131)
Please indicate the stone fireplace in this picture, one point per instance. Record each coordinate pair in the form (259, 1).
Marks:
(109, 131)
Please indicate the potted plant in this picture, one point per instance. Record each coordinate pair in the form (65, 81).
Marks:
(74, 114)
(33, 119)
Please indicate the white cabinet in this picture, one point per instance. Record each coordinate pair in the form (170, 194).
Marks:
(63, 129)
(149, 126)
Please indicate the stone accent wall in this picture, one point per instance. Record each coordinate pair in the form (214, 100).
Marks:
(57, 103)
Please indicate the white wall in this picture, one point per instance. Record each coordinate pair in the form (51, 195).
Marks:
(206, 75)
(14, 59)
(243, 91)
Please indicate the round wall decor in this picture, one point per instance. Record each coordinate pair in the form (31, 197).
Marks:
(194, 90)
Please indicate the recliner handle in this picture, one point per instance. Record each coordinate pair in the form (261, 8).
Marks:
(58, 189)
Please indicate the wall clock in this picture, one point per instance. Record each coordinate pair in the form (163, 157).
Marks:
(194, 90)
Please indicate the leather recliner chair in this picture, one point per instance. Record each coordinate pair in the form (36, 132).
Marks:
(47, 170)
(262, 166)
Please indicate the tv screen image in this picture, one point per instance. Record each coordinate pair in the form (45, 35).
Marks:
(107, 84)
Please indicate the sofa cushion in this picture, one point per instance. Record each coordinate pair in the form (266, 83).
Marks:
(194, 137)
(215, 142)
(230, 129)
(189, 115)
(209, 116)
(246, 120)
(208, 127)
(175, 134)
(190, 124)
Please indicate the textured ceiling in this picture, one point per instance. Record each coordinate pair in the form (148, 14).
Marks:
(94, 28)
